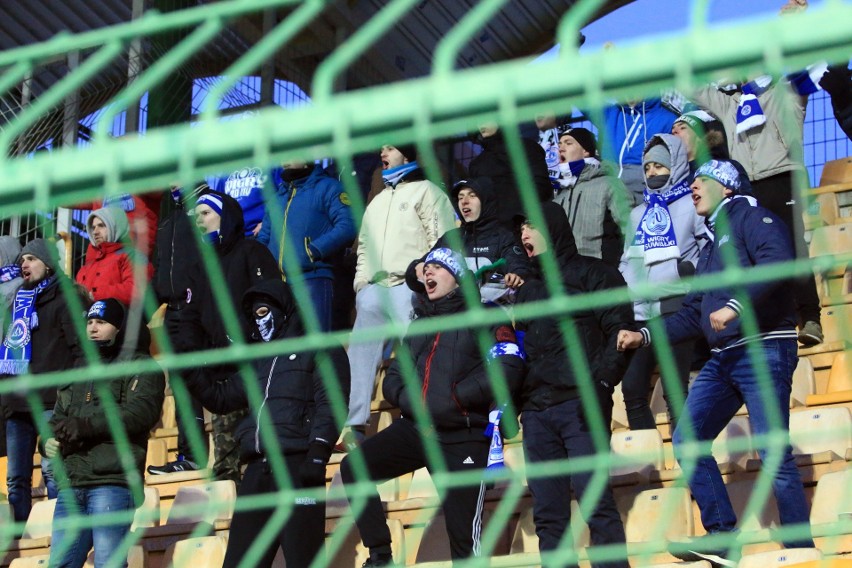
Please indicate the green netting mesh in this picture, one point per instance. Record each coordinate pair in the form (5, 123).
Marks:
(339, 124)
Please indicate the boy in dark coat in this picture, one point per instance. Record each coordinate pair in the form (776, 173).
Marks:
(98, 479)
(454, 387)
(296, 402)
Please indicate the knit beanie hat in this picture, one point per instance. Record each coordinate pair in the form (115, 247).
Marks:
(658, 153)
(42, 250)
(10, 249)
(584, 138)
(213, 201)
(697, 120)
(723, 172)
(449, 259)
(109, 310)
(409, 151)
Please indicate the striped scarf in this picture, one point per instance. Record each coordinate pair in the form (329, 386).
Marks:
(16, 351)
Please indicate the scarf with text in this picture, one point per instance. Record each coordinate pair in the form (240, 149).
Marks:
(16, 351)
(655, 238)
(9, 273)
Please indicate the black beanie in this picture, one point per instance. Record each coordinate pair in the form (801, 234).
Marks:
(109, 310)
(409, 151)
(584, 138)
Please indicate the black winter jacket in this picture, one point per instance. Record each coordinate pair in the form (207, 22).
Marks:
(551, 378)
(139, 402)
(485, 240)
(55, 345)
(451, 376)
(176, 257)
(295, 398)
(494, 163)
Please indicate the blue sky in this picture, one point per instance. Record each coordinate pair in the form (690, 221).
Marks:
(654, 17)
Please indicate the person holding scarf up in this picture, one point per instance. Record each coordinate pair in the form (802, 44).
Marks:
(402, 222)
(40, 338)
(664, 247)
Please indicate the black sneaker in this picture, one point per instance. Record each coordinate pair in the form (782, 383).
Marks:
(173, 467)
(717, 557)
(378, 559)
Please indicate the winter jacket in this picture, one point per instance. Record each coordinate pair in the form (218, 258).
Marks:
(452, 379)
(758, 238)
(494, 162)
(594, 212)
(295, 394)
(690, 233)
(400, 224)
(317, 223)
(55, 344)
(246, 186)
(142, 216)
(109, 268)
(138, 400)
(766, 150)
(551, 378)
(244, 263)
(485, 241)
(628, 128)
(177, 255)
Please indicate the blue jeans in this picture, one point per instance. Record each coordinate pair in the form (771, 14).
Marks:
(21, 436)
(561, 433)
(69, 547)
(728, 380)
(321, 291)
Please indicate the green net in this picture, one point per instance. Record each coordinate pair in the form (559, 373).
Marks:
(338, 124)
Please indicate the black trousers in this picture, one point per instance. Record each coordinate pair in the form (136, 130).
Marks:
(776, 194)
(636, 385)
(398, 450)
(302, 534)
(173, 323)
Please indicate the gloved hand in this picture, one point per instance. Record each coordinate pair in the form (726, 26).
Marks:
(312, 470)
(52, 448)
(72, 432)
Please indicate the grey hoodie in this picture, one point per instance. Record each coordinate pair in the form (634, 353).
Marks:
(690, 233)
(115, 220)
(10, 248)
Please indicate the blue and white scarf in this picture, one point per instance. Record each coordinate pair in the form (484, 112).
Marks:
(655, 238)
(569, 172)
(750, 113)
(16, 351)
(9, 273)
(392, 176)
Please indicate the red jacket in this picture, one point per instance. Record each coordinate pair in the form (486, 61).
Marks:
(108, 273)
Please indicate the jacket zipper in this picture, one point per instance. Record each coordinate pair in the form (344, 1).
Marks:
(284, 231)
(385, 235)
(260, 409)
(428, 369)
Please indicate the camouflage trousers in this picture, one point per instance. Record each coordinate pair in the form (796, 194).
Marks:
(226, 448)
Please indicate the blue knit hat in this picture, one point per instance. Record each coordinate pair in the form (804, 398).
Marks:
(449, 259)
(211, 200)
(721, 171)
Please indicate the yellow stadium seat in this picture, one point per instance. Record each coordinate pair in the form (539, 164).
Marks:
(832, 503)
(211, 503)
(804, 383)
(39, 561)
(636, 454)
(207, 551)
(148, 514)
(38, 528)
(821, 435)
(655, 514)
(839, 387)
(779, 558)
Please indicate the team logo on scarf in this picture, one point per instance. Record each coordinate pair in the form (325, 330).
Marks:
(19, 334)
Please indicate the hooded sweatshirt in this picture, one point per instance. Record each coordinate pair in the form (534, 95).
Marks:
(109, 271)
(10, 280)
(690, 234)
(551, 378)
(139, 402)
(294, 388)
(485, 241)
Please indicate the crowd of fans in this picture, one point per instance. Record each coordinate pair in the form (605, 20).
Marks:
(647, 207)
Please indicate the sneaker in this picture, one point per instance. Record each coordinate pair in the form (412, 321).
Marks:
(378, 559)
(718, 558)
(173, 467)
(810, 333)
(350, 440)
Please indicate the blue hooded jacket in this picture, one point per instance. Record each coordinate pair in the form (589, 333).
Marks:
(629, 129)
(757, 238)
(317, 223)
